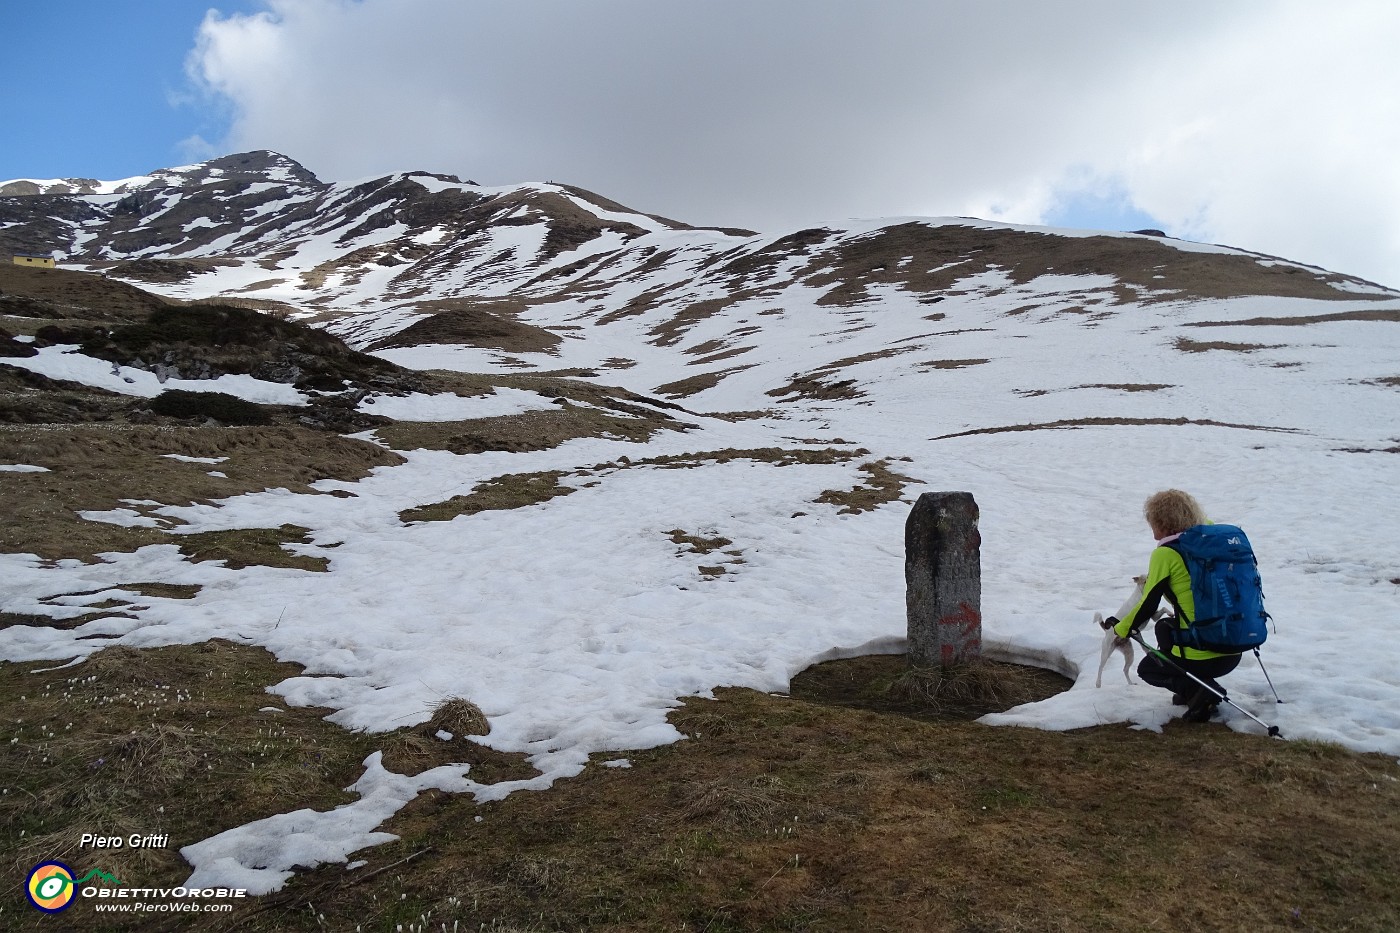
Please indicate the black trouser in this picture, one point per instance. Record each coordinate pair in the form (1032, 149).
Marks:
(1169, 674)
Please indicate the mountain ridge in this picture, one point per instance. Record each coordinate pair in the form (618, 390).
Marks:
(431, 271)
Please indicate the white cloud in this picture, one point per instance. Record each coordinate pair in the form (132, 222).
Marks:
(1269, 125)
(197, 149)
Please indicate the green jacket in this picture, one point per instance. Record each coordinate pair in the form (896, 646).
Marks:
(1167, 578)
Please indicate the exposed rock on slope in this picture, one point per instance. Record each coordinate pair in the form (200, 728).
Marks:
(433, 272)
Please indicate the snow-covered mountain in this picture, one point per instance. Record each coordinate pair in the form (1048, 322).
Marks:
(1061, 376)
(550, 276)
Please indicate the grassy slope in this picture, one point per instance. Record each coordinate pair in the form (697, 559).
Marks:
(811, 812)
(779, 813)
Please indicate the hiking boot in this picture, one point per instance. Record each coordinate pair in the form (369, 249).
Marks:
(1202, 705)
(1199, 713)
(1181, 698)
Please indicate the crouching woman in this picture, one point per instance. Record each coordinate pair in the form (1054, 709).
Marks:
(1168, 514)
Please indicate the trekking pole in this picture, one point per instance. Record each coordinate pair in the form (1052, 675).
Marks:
(1272, 730)
(1277, 699)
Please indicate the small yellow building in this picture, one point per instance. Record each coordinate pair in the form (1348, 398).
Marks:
(40, 262)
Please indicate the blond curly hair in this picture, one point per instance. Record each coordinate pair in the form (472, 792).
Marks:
(1172, 511)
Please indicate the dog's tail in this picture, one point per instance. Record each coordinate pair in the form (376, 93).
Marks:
(1098, 618)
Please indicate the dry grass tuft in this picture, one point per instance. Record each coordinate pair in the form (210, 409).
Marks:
(460, 717)
(541, 875)
(973, 683)
(132, 665)
(735, 800)
(411, 752)
(705, 723)
(156, 756)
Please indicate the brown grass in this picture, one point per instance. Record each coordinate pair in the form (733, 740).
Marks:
(693, 385)
(888, 683)
(1118, 386)
(822, 812)
(460, 717)
(938, 257)
(695, 544)
(1129, 386)
(778, 456)
(1074, 423)
(815, 388)
(883, 486)
(1371, 314)
(885, 354)
(247, 547)
(69, 298)
(94, 467)
(973, 683)
(512, 491)
(473, 323)
(951, 364)
(671, 331)
(600, 411)
(1187, 345)
(869, 799)
(417, 749)
(166, 740)
(722, 355)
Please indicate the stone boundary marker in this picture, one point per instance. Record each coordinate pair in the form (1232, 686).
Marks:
(943, 579)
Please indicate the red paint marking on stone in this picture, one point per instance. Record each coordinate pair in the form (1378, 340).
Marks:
(966, 619)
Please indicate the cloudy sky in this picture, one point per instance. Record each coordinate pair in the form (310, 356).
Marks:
(1268, 124)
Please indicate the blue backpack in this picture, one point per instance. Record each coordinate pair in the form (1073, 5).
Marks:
(1225, 584)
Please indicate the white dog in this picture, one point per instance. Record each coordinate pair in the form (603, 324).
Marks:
(1108, 646)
